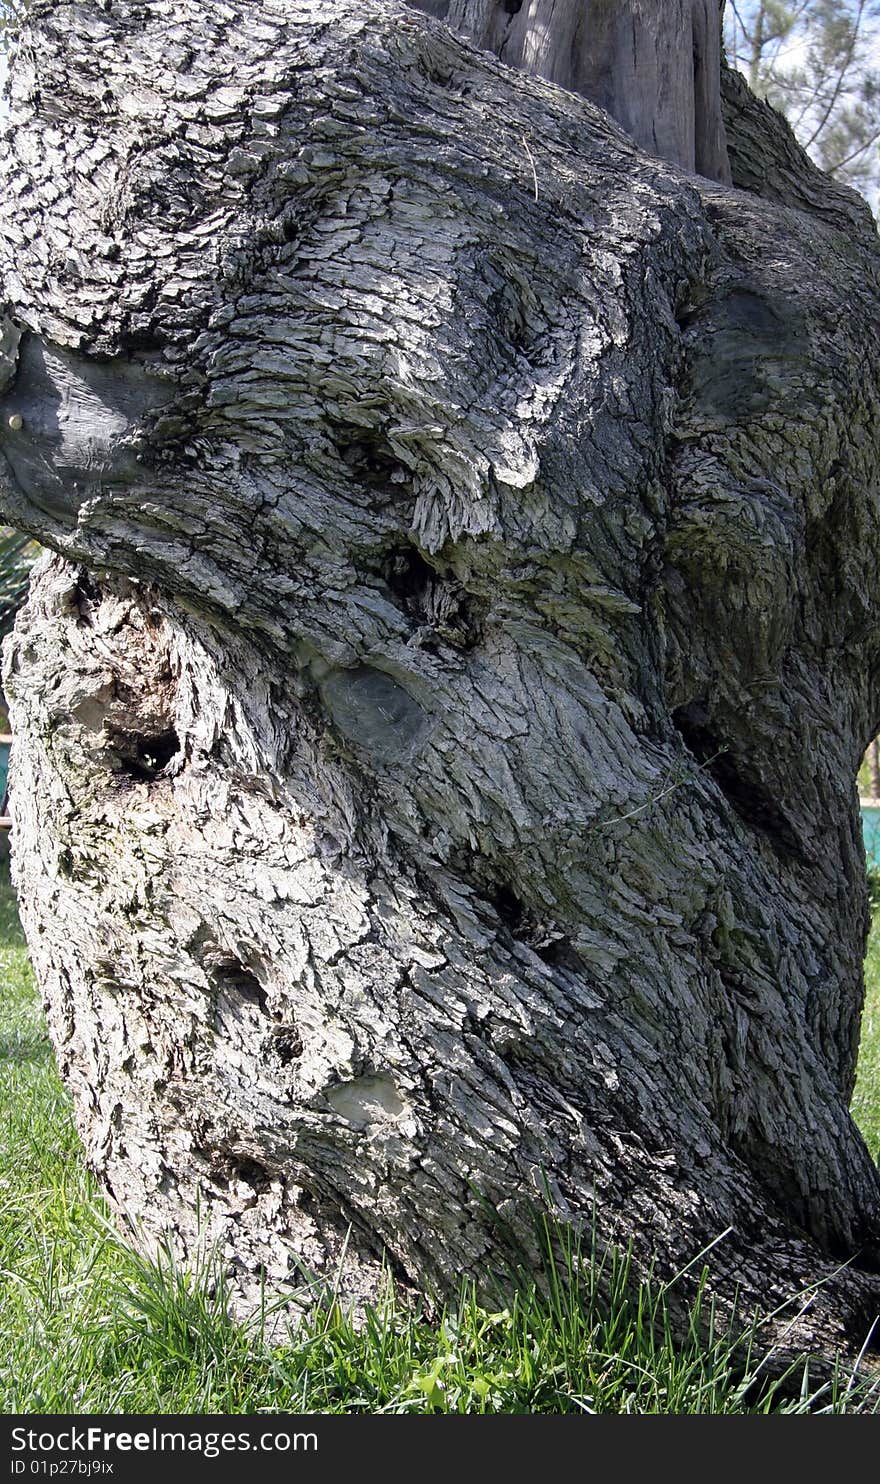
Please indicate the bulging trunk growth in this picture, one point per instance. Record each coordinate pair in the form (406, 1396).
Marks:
(436, 729)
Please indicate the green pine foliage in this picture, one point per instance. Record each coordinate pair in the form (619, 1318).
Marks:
(818, 63)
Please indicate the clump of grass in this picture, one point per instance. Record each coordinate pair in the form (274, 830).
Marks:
(88, 1325)
(866, 1098)
(111, 1332)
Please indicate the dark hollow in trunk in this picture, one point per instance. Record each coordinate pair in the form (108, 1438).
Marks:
(436, 731)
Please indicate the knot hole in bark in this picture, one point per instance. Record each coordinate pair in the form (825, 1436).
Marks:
(144, 755)
(239, 995)
(373, 465)
(508, 908)
(443, 610)
(748, 795)
(544, 938)
(236, 984)
(86, 596)
(228, 1169)
(287, 1043)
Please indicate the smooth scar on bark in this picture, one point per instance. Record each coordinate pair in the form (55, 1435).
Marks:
(438, 714)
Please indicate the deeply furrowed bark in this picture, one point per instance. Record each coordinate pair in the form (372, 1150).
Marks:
(436, 735)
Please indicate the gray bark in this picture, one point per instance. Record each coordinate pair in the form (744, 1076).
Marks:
(654, 65)
(436, 735)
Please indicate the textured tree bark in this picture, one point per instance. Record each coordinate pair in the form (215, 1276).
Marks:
(654, 65)
(436, 735)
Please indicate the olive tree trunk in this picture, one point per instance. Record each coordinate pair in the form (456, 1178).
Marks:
(437, 729)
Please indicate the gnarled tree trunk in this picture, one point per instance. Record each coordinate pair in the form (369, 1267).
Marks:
(436, 733)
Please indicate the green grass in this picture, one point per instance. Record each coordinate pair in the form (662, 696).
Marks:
(866, 1098)
(88, 1326)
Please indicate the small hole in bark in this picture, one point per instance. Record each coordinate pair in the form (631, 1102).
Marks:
(409, 577)
(692, 724)
(512, 7)
(86, 595)
(238, 983)
(443, 609)
(251, 1171)
(561, 955)
(508, 907)
(749, 797)
(141, 340)
(228, 1168)
(143, 756)
(692, 299)
(373, 464)
(288, 1043)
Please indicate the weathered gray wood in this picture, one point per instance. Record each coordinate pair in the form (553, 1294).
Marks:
(654, 65)
(434, 769)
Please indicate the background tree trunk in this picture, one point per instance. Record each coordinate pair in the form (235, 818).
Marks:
(436, 735)
(654, 65)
